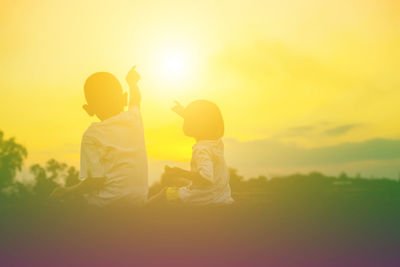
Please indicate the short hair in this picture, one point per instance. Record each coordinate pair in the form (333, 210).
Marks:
(203, 120)
(102, 88)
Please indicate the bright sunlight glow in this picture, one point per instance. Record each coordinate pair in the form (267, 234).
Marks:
(174, 66)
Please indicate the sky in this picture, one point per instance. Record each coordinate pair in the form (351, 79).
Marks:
(303, 85)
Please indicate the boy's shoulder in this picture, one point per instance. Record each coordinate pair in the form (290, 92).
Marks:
(89, 134)
(103, 129)
(132, 114)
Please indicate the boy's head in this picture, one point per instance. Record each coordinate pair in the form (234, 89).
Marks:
(104, 95)
(203, 120)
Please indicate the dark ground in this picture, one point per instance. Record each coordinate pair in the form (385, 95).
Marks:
(293, 222)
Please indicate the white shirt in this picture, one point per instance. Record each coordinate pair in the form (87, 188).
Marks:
(208, 160)
(115, 149)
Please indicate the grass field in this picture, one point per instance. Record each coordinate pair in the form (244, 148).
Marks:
(299, 220)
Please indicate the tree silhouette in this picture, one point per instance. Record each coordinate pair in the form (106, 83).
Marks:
(12, 156)
(49, 177)
(55, 168)
(72, 177)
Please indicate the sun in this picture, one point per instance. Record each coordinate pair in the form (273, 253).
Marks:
(174, 66)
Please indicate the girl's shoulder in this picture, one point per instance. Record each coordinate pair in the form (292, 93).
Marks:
(211, 147)
(209, 144)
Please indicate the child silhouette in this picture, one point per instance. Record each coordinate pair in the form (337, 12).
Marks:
(208, 179)
(113, 155)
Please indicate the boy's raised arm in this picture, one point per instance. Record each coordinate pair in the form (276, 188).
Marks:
(133, 78)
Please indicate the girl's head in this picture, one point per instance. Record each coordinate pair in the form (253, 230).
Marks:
(203, 121)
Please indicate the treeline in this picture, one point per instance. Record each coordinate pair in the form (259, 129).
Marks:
(260, 189)
(316, 187)
(44, 178)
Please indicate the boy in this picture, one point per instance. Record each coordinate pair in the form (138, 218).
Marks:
(113, 153)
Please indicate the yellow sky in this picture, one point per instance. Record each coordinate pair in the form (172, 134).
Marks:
(272, 66)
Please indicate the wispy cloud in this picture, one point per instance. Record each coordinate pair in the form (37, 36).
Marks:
(340, 130)
(319, 129)
(271, 153)
(299, 131)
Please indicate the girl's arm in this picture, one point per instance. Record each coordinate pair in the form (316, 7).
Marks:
(195, 177)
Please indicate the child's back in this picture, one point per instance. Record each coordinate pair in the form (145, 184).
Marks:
(208, 160)
(115, 148)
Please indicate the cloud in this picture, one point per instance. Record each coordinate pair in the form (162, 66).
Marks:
(322, 128)
(271, 153)
(299, 131)
(340, 130)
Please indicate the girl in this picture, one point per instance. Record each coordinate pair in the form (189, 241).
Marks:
(208, 179)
